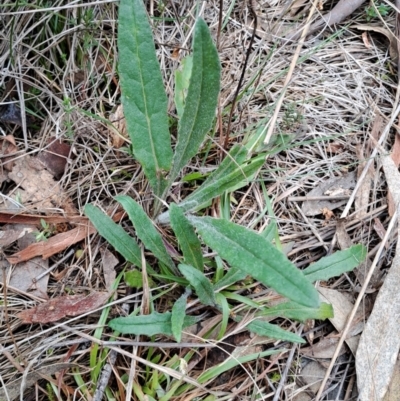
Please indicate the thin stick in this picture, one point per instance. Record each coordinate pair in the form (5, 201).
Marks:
(272, 122)
(317, 198)
(240, 83)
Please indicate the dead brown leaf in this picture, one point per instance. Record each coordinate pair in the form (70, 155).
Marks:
(53, 245)
(41, 190)
(15, 217)
(58, 242)
(120, 135)
(383, 31)
(379, 229)
(108, 261)
(365, 39)
(337, 186)
(395, 154)
(327, 213)
(342, 307)
(65, 306)
(24, 275)
(55, 157)
(8, 148)
(311, 376)
(10, 233)
(324, 349)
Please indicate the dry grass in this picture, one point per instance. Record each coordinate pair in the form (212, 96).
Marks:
(60, 64)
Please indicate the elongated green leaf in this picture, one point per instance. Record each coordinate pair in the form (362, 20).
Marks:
(143, 96)
(155, 323)
(336, 264)
(210, 189)
(233, 173)
(178, 316)
(253, 254)
(115, 235)
(225, 309)
(266, 329)
(201, 99)
(291, 310)
(230, 363)
(187, 238)
(200, 283)
(241, 299)
(145, 230)
(182, 79)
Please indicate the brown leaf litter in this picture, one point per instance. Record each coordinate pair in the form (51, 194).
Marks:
(64, 306)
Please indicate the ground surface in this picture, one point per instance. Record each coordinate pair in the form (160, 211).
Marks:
(59, 78)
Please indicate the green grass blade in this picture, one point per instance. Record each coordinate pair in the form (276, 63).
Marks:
(145, 230)
(291, 310)
(115, 235)
(253, 254)
(204, 289)
(187, 238)
(149, 325)
(229, 364)
(201, 100)
(269, 330)
(178, 316)
(336, 264)
(143, 96)
(225, 309)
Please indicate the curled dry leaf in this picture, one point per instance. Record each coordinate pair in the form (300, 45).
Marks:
(392, 38)
(60, 307)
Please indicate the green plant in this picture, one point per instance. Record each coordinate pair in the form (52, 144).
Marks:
(377, 10)
(246, 252)
(45, 233)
